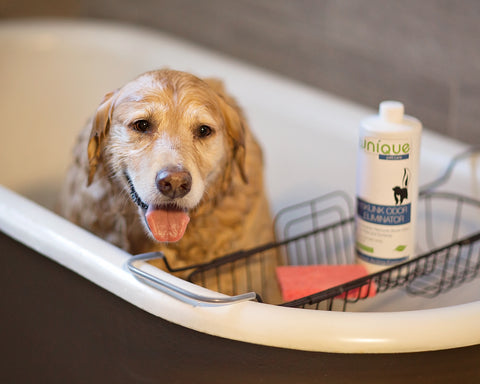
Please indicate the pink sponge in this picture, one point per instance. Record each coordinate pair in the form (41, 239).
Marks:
(300, 281)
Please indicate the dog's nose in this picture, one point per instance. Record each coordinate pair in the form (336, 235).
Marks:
(173, 182)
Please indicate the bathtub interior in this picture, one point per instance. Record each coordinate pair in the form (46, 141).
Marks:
(59, 81)
(52, 82)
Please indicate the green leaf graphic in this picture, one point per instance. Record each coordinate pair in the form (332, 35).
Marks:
(400, 248)
(364, 247)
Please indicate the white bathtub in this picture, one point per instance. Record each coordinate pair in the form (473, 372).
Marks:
(53, 74)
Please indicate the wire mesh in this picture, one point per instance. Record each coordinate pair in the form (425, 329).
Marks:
(316, 233)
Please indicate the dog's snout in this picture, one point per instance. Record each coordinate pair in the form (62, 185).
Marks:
(173, 182)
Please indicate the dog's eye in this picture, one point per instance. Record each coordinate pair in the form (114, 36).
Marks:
(203, 131)
(141, 125)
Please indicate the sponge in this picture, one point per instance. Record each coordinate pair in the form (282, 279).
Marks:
(303, 280)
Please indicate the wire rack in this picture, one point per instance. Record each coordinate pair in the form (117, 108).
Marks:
(321, 231)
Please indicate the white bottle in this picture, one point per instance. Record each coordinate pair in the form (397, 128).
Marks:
(387, 187)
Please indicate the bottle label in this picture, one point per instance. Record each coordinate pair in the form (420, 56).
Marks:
(384, 214)
(384, 208)
(386, 149)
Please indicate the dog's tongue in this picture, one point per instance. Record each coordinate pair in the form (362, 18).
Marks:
(166, 225)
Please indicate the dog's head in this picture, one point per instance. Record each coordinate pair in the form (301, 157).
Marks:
(168, 137)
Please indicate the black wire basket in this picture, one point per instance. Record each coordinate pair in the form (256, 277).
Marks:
(321, 232)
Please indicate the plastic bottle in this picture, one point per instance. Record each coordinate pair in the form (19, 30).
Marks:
(387, 187)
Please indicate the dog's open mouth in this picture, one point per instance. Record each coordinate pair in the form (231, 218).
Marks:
(167, 223)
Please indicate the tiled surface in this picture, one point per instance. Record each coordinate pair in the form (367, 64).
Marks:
(424, 53)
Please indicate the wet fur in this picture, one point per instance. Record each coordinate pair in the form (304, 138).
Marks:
(227, 205)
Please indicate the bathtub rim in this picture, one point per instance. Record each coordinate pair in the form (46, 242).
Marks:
(257, 323)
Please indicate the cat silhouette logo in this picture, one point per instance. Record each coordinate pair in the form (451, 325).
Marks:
(401, 193)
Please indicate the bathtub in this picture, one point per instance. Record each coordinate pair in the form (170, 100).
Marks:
(73, 312)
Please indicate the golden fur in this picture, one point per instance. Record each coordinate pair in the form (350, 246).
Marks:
(227, 205)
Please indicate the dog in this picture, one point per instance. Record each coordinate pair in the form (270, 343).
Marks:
(168, 163)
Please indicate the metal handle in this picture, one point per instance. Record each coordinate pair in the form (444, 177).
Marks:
(176, 291)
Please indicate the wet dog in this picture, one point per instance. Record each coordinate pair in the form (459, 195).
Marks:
(168, 163)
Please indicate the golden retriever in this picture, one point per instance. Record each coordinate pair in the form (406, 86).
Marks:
(168, 163)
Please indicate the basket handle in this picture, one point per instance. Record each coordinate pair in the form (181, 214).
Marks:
(470, 152)
(179, 292)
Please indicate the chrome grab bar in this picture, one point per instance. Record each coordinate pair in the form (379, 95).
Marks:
(176, 291)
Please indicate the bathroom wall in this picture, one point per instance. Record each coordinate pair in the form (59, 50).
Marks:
(424, 53)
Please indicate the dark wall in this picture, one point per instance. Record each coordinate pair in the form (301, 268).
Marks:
(424, 53)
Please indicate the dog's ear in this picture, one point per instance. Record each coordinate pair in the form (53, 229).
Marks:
(235, 124)
(236, 131)
(100, 127)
